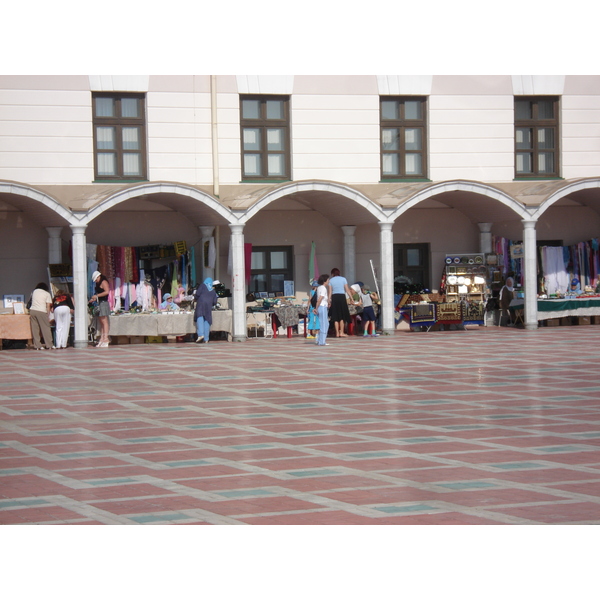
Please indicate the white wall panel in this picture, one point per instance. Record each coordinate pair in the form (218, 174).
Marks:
(306, 146)
(468, 146)
(489, 174)
(471, 132)
(470, 116)
(336, 102)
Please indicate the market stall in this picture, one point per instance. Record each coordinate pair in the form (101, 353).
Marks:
(556, 308)
(165, 324)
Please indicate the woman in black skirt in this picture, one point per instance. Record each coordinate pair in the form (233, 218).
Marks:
(339, 313)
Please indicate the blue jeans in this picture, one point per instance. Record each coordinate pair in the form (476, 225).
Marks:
(324, 325)
(203, 328)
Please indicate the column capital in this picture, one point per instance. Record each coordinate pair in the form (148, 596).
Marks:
(349, 229)
(206, 230)
(529, 223)
(236, 228)
(485, 227)
(78, 229)
(385, 225)
(54, 232)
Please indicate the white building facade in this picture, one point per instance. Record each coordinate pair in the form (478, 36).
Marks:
(370, 168)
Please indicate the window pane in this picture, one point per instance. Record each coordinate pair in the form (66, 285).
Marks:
(390, 164)
(107, 162)
(545, 137)
(251, 139)
(275, 164)
(132, 164)
(277, 282)
(275, 139)
(412, 109)
(546, 162)
(105, 107)
(389, 138)
(131, 138)
(278, 260)
(129, 107)
(274, 109)
(413, 257)
(524, 162)
(258, 260)
(250, 109)
(390, 109)
(258, 283)
(252, 164)
(523, 109)
(524, 138)
(412, 139)
(105, 138)
(413, 164)
(545, 109)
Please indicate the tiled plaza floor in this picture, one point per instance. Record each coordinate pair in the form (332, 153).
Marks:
(484, 426)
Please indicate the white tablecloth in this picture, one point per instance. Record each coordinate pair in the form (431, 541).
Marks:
(156, 324)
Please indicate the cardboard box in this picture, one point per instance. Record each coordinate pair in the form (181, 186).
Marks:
(137, 339)
(584, 320)
(552, 322)
(565, 321)
(119, 340)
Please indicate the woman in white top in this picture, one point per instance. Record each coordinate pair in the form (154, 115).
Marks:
(39, 317)
(323, 304)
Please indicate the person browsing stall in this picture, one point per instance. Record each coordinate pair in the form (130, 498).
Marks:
(63, 309)
(39, 317)
(368, 313)
(323, 304)
(507, 293)
(339, 313)
(206, 298)
(101, 297)
(313, 317)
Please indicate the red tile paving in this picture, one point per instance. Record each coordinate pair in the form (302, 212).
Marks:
(485, 426)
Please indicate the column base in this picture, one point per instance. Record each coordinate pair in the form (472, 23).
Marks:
(531, 326)
(239, 338)
(80, 344)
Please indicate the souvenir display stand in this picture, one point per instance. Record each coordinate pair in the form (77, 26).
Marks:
(466, 282)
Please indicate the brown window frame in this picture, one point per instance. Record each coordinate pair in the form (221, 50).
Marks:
(119, 122)
(268, 271)
(402, 124)
(263, 124)
(535, 124)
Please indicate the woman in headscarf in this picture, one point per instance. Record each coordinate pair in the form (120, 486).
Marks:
(206, 298)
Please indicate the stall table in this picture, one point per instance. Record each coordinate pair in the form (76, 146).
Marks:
(159, 324)
(287, 316)
(556, 308)
(15, 327)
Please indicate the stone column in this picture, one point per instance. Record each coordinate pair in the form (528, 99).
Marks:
(54, 245)
(238, 283)
(386, 276)
(207, 233)
(349, 271)
(485, 237)
(530, 273)
(80, 278)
